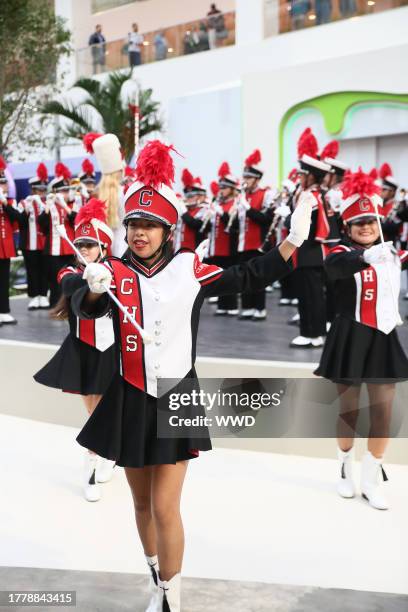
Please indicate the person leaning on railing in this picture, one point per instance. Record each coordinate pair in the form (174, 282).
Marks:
(97, 42)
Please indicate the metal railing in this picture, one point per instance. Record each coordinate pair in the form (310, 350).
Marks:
(182, 39)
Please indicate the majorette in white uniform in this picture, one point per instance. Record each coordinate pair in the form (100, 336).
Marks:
(362, 345)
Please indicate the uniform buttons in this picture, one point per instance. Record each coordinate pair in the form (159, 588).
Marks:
(158, 343)
(157, 322)
(157, 366)
(156, 298)
(157, 332)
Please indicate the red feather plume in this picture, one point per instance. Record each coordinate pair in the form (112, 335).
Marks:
(224, 170)
(155, 165)
(293, 174)
(129, 171)
(358, 183)
(374, 174)
(307, 144)
(254, 158)
(62, 170)
(198, 181)
(94, 209)
(187, 178)
(88, 167)
(88, 141)
(385, 171)
(330, 150)
(3, 164)
(214, 188)
(42, 172)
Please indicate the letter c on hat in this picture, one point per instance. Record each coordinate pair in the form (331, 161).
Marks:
(146, 197)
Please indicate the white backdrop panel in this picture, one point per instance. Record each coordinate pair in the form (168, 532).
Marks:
(206, 129)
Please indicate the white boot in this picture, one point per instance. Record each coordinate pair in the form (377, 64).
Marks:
(44, 302)
(155, 593)
(92, 491)
(247, 313)
(372, 475)
(170, 593)
(345, 485)
(104, 469)
(34, 303)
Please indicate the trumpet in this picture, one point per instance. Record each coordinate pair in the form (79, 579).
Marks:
(208, 215)
(235, 209)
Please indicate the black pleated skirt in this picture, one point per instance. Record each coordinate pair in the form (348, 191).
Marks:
(79, 368)
(356, 353)
(123, 428)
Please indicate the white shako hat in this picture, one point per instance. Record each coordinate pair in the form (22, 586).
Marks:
(360, 197)
(61, 179)
(40, 180)
(251, 168)
(388, 181)
(152, 195)
(106, 148)
(226, 179)
(192, 186)
(309, 163)
(90, 224)
(329, 156)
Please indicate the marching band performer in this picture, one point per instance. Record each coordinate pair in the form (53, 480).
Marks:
(253, 226)
(85, 363)
(333, 201)
(188, 234)
(57, 211)
(106, 148)
(32, 240)
(164, 292)
(362, 345)
(222, 248)
(309, 258)
(88, 180)
(9, 215)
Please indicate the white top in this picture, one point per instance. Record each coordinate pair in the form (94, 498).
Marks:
(119, 245)
(135, 40)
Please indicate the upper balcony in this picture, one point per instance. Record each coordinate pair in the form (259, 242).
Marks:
(274, 17)
(164, 43)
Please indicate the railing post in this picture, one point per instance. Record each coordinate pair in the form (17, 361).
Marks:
(249, 19)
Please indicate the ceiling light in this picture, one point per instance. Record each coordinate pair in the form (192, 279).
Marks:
(312, 17)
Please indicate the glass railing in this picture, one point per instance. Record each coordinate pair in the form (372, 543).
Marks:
(299, 14)
(166, 43)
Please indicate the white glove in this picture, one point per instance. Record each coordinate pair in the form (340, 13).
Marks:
(3, 199)
(300, 220)
(282, 211)
(379, 253)
(202, 248)
(97, 275)
(218, 209)
(183, 207)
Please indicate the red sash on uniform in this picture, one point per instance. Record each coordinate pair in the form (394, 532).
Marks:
(131, 345)
(7, 248)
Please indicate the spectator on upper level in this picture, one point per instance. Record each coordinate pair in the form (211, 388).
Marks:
(161, 46)
(216, 25)
(97, 43)
(298, 12)
(323, 11)
(135, 42)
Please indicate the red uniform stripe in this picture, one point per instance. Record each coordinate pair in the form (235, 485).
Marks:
(368, 300)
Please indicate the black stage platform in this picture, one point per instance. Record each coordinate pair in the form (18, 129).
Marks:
(218, 336)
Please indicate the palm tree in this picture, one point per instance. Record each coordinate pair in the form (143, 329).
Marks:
(104, 103)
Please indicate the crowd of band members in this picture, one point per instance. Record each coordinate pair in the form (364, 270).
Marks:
(239, 217)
